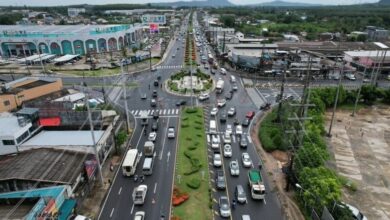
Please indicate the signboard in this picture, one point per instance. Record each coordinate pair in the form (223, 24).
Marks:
(157, 19)
(153, 28)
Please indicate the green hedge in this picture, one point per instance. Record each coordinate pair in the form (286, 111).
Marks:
(194, 183)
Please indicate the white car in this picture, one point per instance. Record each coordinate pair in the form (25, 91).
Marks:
(227, 150)
(215, 141)
(140, 215)
(246, 160)
(234, 168)
(232, 111)
(229, 129)
(171, 132)
(227, 139)
(221, 102)
(217, 161)
(204, 96)
(152, 136)
(214, 112)
(239, 129)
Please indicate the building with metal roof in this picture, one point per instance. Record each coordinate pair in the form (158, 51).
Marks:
(19, 40)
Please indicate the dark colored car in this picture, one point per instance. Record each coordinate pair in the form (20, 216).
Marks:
(229, 96)
(265, 106)
(243, 141)
(223, 116)
(250, 114)
(155, 126)
(153, 103)
(245, 122)
(156, 114)
(154, 94)
(220, 180)
(155, 82)
(181, 102)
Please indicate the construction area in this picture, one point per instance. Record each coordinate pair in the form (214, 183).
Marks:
(360, 150)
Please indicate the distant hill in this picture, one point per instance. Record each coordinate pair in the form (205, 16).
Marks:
(384, 2)
(202, 3)
(286, 4)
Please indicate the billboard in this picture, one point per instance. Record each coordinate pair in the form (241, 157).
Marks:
(157, 19)
(153, 28)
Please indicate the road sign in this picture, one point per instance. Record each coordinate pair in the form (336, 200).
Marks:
(157, 19)
(178, 178)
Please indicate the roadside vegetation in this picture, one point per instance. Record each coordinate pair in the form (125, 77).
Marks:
(192, 176)
(321, 186)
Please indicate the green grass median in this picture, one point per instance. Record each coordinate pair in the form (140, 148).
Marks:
(192, 174)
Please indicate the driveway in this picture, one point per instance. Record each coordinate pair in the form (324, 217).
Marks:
(360, 147)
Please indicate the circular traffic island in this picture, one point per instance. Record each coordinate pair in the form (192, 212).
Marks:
(182, 82)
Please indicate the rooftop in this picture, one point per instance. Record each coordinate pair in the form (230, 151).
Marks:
(251, 46)
(63, 138)
(9, 124)
(46, 165)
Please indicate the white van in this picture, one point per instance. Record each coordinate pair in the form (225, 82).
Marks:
(223, 71)
(213, 127)
(147, 168)
(233, 79)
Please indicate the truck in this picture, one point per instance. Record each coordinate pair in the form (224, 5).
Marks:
(220, 84)
(256, 184)
(144, 118)
(139, 194)
(148, 148)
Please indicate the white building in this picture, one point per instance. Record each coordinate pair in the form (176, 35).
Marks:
(13, 131)
(16, 40)
(74, 12)
(249, 55)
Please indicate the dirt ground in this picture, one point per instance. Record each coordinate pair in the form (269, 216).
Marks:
(360, 147)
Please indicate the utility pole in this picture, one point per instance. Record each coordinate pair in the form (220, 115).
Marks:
(379, 68)
(25, 58)
(278, 119)
(125, 99)
(336, 100)
(150, 58)
(358, 94)
(94, 141)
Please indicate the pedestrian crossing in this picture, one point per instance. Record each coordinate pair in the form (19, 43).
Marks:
(162, 112)
(235, 139)
(170, 67)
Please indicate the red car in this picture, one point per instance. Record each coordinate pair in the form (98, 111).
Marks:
(250, 114)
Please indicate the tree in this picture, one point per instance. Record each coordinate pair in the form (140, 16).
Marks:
(369, 94)
(361, 38)
(228, 20)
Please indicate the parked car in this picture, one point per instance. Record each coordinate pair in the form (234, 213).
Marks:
(227, 150)
(350, 76)
(246, 160)
(224, 208)
(234, 168)
(220, 180)
(217, 161)
(232, 111)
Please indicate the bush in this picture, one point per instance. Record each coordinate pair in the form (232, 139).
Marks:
(184, 125)
(191, 110)
(192, 147)
(194, 183)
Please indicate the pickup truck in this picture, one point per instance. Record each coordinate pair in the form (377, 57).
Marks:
(139, 194)
(256, 184)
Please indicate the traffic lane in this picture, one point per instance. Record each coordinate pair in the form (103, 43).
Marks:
(112, 208)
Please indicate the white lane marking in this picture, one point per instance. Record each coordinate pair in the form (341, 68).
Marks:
(234, 138)
(249, 138)
(155, 188)
(152, 112)
(120, 190)
(112, 212)
(132, 112)
(132, 209)
(162, 116)
(165, 138)
(148, 111)
(169, 112)
(135, 112)
(164, 111)
(177, 111)
(265, 202)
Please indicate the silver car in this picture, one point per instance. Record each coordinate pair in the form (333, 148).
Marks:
(234, 168)
(224, 208)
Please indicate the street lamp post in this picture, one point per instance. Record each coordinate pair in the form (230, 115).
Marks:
(336, 100)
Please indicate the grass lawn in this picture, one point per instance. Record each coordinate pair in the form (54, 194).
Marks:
(192, 136)
(108, 72)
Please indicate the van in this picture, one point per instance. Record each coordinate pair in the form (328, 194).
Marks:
(233, 79)
(147, 168)
(240, 194)
(223, 71)
(213, 127)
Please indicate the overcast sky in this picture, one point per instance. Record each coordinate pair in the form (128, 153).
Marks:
(70, 2)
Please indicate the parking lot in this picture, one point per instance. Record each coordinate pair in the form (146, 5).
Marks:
(361, 149)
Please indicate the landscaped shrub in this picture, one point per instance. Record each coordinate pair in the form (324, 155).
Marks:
(192, 147)
(194, 183)
(198, 127)
(191, 110)
(184, 125)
